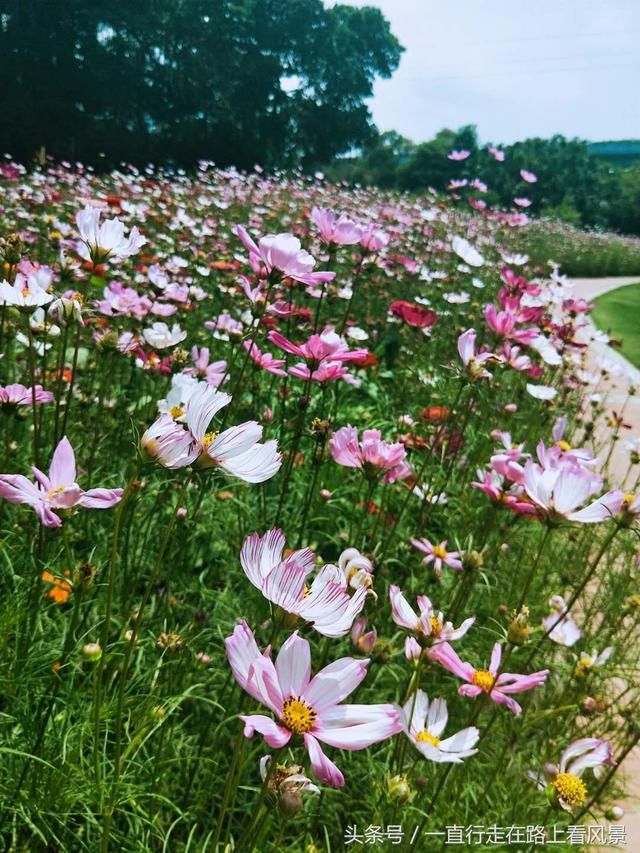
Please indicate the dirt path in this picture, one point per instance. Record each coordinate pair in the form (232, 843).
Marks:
(616, 389)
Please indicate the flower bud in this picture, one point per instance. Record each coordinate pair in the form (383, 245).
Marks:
(614, 813)
(325, 494)
(519, 628)
(363, 640)
(203, 659)
(412, 649)
(589, 706)
(91, 652)
(398, 788)
(472, 560)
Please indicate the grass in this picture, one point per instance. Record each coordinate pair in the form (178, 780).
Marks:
(618, 313)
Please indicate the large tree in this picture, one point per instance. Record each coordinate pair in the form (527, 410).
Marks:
(280, 82)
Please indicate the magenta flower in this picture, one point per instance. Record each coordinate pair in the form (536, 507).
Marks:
(307, 706)
(497, 687)
(324, 602)
(20, 395)
(326, 346)
(52, 496)
(372, 454)
(339, 230)
(438, 555)
(282, 255)
(429, 624)
(265, 359)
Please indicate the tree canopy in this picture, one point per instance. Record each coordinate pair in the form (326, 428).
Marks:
(278, 82)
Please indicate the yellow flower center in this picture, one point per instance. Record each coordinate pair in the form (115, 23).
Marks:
(483, 679)
(176, 412)
(25, 291)
(564, 445)
(426, 737)
(628, 500)
(440, 552)
(209, 438)
(53, 492)
(436, 626)
(297, 715)
(570, 789)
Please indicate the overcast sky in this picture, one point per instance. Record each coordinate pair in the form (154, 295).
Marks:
(514, 68)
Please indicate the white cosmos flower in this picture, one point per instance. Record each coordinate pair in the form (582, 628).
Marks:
(469, 254)
(425, 721)
(542, 392)
(457, 298)
(160, 336)
(237, 450)
(515, 259)
(25, 292)
(546, 349)
(357, 334)
(105, 241)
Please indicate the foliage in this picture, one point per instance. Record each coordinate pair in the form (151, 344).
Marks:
(174, 82)
(590, 254)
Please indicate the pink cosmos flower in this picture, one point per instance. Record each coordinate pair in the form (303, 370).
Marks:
(373, 240)
(123, 301)
(497, 687)
(51, 496)
(425, 721)
(559, 492)
(283, 255)
(326, 346)
(212, 372)
(236, 450)
(324, 602)
(460, 154)
(497, 154)
(429, 624)
(106, 241)
(306, 705)
(529, 177)
(223, 325)
(438, 555)
(373, 455)
(560, 624)
(474, 361)
(522, 202)
(339, 230)
(265, 359)
(20, 395)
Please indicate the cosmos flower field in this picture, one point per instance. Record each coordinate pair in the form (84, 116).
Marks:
(314, 530)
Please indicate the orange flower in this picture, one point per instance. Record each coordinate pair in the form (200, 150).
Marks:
(60, 590)
(434, 413)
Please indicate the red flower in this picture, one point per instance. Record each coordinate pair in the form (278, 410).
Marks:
(412, 314)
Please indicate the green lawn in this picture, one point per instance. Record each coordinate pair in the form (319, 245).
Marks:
(618, 313)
